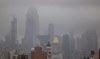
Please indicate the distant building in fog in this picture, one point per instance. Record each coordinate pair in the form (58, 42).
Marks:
(56, 44)
(51, 31)
(72, 45)
(66, 46)
(78, 43)
(32, 29)
(11, 37)
(56, 47)
(44, 39)
(89, 39)
(13, 33)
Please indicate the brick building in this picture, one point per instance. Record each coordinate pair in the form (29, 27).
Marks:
(38, 53)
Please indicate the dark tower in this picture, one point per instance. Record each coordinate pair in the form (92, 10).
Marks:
(66, 46)
(13, 34)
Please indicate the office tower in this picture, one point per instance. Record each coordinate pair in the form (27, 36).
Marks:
(8, 41)
(56, 47)
(32, 29)
(72, 45)
(66, 46)
(89, 39)
(11, 37)
(13, 33)
(93, 43)
(51, 31)
(78, 48)
(44, 39)
(85, 47)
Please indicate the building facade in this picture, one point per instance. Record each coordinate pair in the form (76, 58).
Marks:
(89, 41)
(37, 53)
(32, 29)
(11, 37)
(66, 46)
(51, 31)
(44, 39)
(56, 47)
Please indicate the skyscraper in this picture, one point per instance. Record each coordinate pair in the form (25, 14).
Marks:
(44, 39)
(66, 46)
(51, 31)
(89, 39)
(32, 29)
(92, 37)
(72, 45)
(11, 37)
(56, 47)
(14, 32)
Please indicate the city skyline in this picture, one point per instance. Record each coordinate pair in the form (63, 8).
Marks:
(52, 28)
(49, 29)
(57, 13)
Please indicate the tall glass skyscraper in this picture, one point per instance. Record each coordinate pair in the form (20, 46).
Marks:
(32, 29)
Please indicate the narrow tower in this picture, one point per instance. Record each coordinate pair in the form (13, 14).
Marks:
(51, 31)
(12, 36)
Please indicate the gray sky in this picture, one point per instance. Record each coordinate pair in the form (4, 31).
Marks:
(67, 15)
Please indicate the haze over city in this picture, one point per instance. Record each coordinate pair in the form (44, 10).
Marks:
(71, 13)
(67, 16)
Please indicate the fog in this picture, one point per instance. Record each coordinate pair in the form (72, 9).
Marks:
(67, 15)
